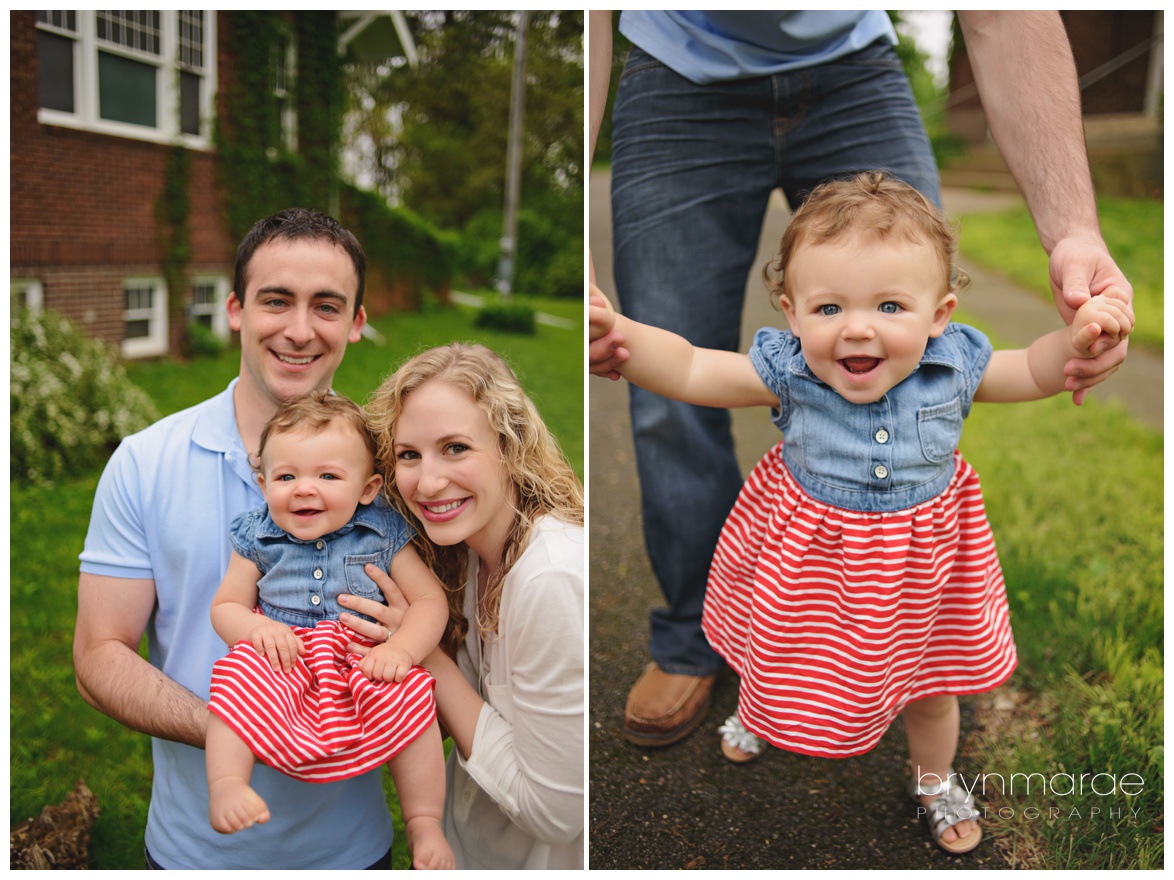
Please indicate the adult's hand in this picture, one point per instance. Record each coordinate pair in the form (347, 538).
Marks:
(389, 616)
(606, 349)
(1081, 267)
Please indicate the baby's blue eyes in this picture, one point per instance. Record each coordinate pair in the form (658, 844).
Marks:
(285, 478)
(887, 308)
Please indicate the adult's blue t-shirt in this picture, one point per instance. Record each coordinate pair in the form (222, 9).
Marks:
(713, 46)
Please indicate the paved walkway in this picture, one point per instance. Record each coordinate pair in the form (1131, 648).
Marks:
(687, 806)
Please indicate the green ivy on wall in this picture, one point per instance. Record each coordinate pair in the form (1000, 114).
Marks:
(259, 175)
(404, 246)
(173, 211)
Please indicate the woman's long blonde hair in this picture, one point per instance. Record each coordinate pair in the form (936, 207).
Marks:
(544, 481)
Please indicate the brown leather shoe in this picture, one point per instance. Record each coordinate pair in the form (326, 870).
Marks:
(663, 708)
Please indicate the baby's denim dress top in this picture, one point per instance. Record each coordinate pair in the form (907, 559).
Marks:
(302, 580)
(889, 455)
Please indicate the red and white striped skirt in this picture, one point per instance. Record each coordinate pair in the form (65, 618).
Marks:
(323, 721)
(835, 620)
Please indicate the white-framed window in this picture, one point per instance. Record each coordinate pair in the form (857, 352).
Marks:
(209, 293)
(144, 317)
(149, 75)
(27, 293)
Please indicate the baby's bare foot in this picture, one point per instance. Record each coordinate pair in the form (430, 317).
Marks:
(430, 851)
(234, 806)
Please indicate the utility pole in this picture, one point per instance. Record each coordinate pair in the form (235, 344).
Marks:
(509, 224)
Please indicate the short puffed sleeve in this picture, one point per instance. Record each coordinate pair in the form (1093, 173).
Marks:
(973, 352)
(243, 533)
(772, 353)
(391, 524)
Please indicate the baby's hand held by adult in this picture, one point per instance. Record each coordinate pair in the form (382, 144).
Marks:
(1080, 268)
(1100, 333)
(1102, 323)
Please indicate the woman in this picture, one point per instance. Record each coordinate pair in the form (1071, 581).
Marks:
(470, 462)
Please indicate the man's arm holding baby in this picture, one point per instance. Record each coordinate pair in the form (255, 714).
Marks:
(1032, 373)
(112, 676)
(667, 364)
(423, 621)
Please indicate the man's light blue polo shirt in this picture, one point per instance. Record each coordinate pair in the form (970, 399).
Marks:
(714, 46)
(162, 512)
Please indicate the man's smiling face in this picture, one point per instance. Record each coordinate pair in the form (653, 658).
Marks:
(296, 318)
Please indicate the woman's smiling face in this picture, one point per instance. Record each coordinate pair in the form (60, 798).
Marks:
(450, 472)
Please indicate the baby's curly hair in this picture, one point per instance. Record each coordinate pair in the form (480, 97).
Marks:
(873, 202)
(313, 413)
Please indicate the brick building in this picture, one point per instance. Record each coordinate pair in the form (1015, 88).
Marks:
(97, 99)
(98, 102)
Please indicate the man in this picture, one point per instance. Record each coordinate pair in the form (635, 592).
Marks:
(714, 111)
(158, 547)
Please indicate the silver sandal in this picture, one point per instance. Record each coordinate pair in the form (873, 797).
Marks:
(739, 744)
(952, 804)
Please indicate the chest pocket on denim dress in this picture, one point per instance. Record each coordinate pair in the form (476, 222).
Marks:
(357, 581)
(938, 427)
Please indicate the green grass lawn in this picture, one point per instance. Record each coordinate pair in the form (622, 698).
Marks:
(1075, 498)
(1006, 242)
(56, 739)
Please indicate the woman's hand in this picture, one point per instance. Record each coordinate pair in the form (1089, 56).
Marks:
(388, 616)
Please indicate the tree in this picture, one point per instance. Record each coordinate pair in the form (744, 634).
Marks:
(435, 137)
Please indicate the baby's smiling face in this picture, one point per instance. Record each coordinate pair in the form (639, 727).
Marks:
(864, 309)
(315, 480)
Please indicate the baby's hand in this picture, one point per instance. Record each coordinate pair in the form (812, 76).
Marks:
(1101, 323)
(276, 641)
(386, 662)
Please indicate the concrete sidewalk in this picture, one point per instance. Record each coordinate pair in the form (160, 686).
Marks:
(686, 806)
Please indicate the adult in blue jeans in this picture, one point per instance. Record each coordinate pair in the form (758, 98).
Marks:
(714, 111)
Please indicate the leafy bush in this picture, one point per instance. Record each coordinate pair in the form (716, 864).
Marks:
(203, 341)
(549, 260)
(510, 316)
(70, 399)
